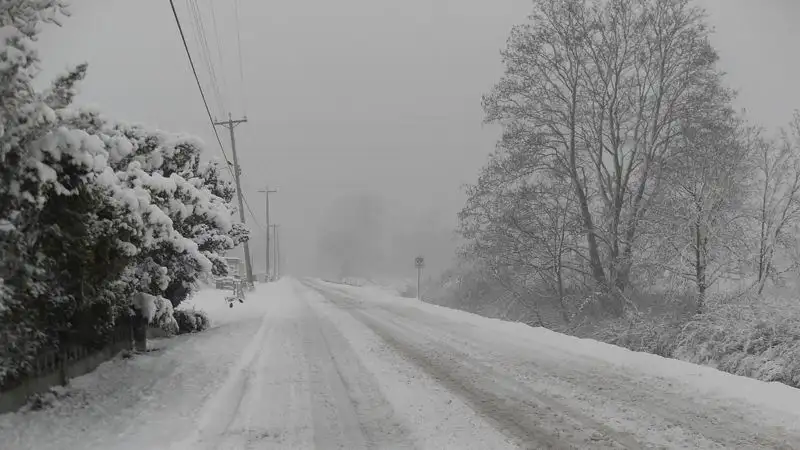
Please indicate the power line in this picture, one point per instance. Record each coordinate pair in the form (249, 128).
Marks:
(210, 59)
(241, 65)
(250, 210)
(199, 86)
(219, 45)
(205, 52)
(208, 110)
(246, 186)
(255, 219)
(202, 42)
(203, 60)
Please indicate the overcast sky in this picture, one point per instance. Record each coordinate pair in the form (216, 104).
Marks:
(355, 96)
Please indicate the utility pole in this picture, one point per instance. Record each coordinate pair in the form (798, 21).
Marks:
(266, 191)
(230, 124)
(275, 254)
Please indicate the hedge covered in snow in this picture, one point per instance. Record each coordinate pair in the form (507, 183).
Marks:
(92, 211)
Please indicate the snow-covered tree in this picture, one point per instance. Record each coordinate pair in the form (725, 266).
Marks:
(594, 94)
(196, 199)
(525, 230)
(776, 204)
(697, 231)
(61, 254)
(91, 211)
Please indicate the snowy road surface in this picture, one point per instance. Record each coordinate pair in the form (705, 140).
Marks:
(304, 365)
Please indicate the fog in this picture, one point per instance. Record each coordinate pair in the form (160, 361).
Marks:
(365, 114)
(363, 235)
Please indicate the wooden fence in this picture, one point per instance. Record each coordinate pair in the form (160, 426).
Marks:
(56, 367)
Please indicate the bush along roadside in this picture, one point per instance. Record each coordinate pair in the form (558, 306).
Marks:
(746, 334)
(191, 320)
(172, 321)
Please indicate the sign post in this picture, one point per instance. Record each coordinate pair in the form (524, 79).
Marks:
(419, 263)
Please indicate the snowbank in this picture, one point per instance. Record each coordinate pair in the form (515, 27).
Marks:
(705, 381)
(392, 286)
(145, 401)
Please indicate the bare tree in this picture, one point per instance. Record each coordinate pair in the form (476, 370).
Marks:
(521, 221)
(538, 101)
(527, 232)
(595, 94)
(700, 222)
(777, 203)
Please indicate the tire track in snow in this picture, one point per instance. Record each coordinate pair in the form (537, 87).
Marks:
(653, 410)
(436, 419)
(276, 410)
(298, 384)
(530, 421)
(219, 412)
(240, 431)
(665, 409)
(363, 417)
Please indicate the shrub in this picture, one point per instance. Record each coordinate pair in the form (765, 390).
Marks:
(641, 333)
(748, 340)
(191, 321)
(186, 321)
(202, 321)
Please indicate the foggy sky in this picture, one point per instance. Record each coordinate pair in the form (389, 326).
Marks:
(361, 96)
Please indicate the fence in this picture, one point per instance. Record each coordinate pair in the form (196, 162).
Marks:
(56, 367)
(154, 331)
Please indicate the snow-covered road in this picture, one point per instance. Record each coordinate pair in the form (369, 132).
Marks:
(304, 365)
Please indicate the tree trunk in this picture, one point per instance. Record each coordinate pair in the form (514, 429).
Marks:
(598, 273)
(560, 286)
(700, 268)
(139, 324)
(591, 238)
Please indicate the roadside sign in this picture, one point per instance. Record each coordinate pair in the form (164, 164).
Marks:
(419, 263)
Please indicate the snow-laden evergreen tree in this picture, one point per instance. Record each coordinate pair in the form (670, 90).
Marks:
(167, 170)
(194, 196)
(61, 254)
(211, 241)
(91, 212)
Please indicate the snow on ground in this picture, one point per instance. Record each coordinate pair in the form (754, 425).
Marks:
(212, 301)
(308, 383)
(387, 285)
(421, 408)
(702, 379)
(658, 400)
(143, 402)
(304, 365)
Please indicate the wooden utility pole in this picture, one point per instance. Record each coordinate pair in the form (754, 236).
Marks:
(278, 254)
(266, 191)
(275, 250)
(230, 124)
